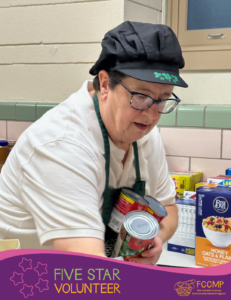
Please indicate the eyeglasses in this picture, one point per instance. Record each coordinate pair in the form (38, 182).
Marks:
(142, 102)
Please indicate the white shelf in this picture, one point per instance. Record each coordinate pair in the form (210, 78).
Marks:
(174, 259)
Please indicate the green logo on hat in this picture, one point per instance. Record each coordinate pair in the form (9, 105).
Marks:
(166, 76)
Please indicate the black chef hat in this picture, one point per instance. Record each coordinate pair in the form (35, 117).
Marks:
(143, 51)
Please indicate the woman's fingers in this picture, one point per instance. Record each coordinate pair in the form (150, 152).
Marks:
(152, 255)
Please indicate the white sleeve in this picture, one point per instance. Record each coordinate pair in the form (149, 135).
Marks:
(62, 188)
(165, 189)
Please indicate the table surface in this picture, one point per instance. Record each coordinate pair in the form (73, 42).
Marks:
(175, 259)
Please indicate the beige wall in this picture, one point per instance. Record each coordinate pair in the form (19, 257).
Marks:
(148, 11)
(206, 87)
(48, 46)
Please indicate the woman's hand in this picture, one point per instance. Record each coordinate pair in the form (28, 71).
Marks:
(151, 256)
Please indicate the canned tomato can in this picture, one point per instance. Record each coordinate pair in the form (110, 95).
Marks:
(136, 235)
(155, 208)
(127, 201)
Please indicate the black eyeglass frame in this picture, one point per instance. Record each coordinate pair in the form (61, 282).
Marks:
(153, 100)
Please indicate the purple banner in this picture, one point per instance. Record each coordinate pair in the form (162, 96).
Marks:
(47, 274)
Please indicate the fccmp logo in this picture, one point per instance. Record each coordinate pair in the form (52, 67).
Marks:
(205, 287)
(184, 288)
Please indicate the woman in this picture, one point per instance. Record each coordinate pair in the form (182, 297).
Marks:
(62, 178)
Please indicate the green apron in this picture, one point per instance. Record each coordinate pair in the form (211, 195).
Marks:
(111, 195)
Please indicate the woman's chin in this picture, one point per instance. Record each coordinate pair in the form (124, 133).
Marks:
(138, 135)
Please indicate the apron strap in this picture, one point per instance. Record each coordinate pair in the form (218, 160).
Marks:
(107, 146)
(105, 139)
(137, 164)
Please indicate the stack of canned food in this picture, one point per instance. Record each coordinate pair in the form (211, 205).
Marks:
(136, 220)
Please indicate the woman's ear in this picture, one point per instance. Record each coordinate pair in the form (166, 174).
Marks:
(104, 80)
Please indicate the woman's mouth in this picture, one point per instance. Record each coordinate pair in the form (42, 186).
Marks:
(141, 126)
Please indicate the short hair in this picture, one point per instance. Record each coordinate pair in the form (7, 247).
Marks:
(114, 78)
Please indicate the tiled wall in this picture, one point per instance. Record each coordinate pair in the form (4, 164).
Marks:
(196, 138)
(16, 117)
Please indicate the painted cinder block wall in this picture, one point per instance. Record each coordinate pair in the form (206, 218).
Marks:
(48, 46)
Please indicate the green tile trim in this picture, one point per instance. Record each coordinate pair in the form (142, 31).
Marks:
(42, 108)
(190, 115)
(185, 115)
(7, 110)
(218, 117)
(25, 111)
(168, 119)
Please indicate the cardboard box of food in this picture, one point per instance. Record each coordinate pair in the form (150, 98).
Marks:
(221, 180)
(202, 183)
(213, 226)
(183, 241)
(185, 181)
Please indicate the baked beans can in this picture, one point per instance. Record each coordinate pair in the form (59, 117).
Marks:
(136, 235)
(155, 208)
(127, 201)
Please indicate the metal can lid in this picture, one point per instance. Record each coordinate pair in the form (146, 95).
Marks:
(3, 143)
(135, 197)
(156, 206)
(141, 225)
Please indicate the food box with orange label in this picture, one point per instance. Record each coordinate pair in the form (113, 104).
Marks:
(213, 226)
(185, 181)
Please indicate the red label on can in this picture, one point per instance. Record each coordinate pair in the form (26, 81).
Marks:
(136, 245)
(150, 211)
(124, 205)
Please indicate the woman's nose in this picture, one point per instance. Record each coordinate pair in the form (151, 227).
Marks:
(152, 112)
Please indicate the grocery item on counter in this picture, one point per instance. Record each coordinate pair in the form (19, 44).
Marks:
(213, 221)
(127, 201)
(155, 208)
(219, 180)
(212, 184)
(185, 181)
(136, 235)
(228, 171)
(183, 240)
(11, 144)
(3, 152)
(189, 194)
(202, 183)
